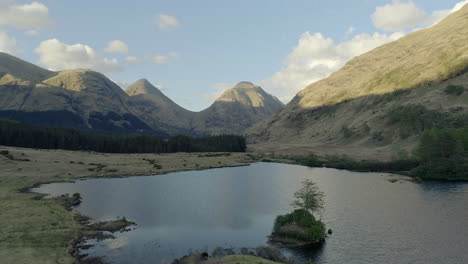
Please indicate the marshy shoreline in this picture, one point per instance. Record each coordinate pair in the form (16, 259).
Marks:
(40, 230)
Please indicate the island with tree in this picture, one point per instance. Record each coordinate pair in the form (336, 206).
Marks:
(300, 228)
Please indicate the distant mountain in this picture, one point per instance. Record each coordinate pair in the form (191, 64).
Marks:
(81, 99)
(85, 99)
(157, 109)
(236, 110)
(385, 97)
(22, 70)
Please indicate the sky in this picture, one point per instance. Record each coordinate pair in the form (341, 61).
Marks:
(194, 50)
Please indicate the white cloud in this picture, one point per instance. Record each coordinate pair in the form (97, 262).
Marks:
(60, 56)
(31, 33)
(8, 44)
(439, 15)
(28, 16)
(161, 87)
(117, 46)
(122, 84)
(163, 59)
(350, 31)
(315, 57)
(133, 59)
(219, 89)
(398, 15)
(401, 15)
(166, 22)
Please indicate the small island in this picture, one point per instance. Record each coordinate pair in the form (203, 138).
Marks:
(300, 228)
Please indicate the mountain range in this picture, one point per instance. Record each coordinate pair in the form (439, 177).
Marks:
(85, 99)
(382, 100)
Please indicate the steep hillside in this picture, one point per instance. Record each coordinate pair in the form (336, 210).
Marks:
(22, 69)
(157, 109)
(236, 110)
(385, 97)
(81, 99)
(85, 99)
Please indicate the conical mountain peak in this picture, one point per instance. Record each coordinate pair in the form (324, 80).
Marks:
(142, 86)
(245, 85)
(249, 94)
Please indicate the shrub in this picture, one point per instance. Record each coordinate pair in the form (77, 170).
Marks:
(347, 133)
(366, 128)
(270, 253)
(454, 89)
(416, 118)
(308, 228)
(378, 136)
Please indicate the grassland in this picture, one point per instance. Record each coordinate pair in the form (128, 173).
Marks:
(239, 259)
(35, 230)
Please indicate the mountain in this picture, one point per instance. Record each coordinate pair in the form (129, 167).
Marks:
(157, 109)
(382, 99)
(81, 99)
(88, 100)
(22, 70)
(236, 110)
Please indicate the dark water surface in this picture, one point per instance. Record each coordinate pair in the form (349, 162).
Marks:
(373, 219)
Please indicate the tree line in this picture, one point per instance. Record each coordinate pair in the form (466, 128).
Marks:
(443, 154)
(14, 133)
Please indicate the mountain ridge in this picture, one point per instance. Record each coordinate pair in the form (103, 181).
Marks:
(87, 99)
(358, 105)
(230, 113)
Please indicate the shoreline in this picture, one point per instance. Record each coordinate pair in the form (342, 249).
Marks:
(31, 168)
(27, 169)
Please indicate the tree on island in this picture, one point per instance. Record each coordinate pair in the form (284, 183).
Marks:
(309, 197)
(300, 228)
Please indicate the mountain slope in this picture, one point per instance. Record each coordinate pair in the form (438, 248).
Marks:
(236, 110)
(22, 69)
(157, 109)
(85, 99)
(378, 98)
(81, 99)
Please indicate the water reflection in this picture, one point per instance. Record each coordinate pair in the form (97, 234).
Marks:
(374, 220)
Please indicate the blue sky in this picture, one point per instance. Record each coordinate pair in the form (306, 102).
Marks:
(196, 49)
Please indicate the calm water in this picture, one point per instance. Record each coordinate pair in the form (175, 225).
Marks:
(374, 220)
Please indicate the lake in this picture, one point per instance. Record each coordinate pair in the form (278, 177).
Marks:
(373, 218)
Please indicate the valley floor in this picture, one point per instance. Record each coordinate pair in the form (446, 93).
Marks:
(41, 230)
(353, 152)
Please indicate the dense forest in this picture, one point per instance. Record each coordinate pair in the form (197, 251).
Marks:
(443, 154)
(14, 133)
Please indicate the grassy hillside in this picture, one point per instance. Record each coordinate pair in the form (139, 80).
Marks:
(158, 110)
(22, 69)
(385, 98)
(236, 110)
(81, 99)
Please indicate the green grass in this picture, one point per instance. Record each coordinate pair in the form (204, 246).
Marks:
(240, 259)
(305, 227)
(34, 231)
(417, 118)
(346, 163)
(454, 90)
(153, 163)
